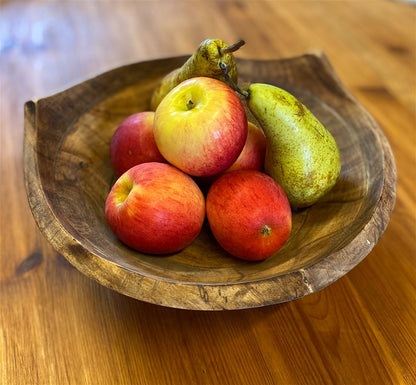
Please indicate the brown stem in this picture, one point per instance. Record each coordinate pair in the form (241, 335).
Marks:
(228, 79)
(233, 47)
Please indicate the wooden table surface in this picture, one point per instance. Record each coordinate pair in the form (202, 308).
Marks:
(59, 327)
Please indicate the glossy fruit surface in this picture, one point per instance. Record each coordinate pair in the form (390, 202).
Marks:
(249, 214)
(133, 142)
(155, 208)
(254, 150)
(301, 154)
(201, 126)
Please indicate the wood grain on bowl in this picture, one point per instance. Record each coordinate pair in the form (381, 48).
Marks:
(68, 176)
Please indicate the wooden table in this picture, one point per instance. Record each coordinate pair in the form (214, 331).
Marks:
(59, 327)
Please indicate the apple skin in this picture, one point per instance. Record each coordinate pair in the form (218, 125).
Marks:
(249, 214)
(133, 142)
(155, 208)
(250, 158)
(201, 126)
(254, 151)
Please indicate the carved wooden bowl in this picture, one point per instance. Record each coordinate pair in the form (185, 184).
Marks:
(68, 176)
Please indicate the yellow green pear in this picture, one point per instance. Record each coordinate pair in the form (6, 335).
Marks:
(301, 154)
(203, 62)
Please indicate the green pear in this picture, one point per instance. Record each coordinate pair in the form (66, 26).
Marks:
(301, 154)
(203, 62)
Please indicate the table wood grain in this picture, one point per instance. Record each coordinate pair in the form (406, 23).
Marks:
(59, 327)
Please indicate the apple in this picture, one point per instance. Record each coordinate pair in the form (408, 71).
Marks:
(201, 126)
(133, 142)
(250, 158)
(249, 214)
(155, 208)
(254, 150)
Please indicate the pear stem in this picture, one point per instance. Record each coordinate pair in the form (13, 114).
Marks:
(228, 79)
(232, 48)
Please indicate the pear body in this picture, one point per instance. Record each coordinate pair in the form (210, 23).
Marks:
(301, 154)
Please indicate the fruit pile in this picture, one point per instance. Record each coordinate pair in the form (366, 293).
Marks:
(196, 136)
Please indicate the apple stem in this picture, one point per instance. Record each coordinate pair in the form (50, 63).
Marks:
(228, 79)
(231, 48)
(190, 104)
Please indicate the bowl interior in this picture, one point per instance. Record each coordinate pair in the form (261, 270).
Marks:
(81, 176)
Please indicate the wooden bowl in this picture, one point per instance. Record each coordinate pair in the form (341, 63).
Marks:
(68, 176)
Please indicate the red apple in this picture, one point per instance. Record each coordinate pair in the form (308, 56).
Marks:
(254, 150)
(249, 214)
(155, 208)
(133, 142)
(201, 126)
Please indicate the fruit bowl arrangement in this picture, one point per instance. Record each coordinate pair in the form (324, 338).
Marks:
(69, 175)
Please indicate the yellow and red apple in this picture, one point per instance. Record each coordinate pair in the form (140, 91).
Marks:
(249, 214)
(201, 126)
(155, 208)
(133, 142)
